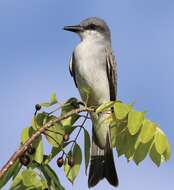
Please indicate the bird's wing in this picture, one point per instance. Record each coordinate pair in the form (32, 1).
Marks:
(111, 74)
(72, 68)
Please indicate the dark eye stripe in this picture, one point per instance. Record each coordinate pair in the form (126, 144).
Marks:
(91, 27)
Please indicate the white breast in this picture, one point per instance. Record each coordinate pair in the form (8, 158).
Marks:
(90, 70)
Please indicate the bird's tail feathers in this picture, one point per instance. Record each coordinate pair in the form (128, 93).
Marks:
(102, 164)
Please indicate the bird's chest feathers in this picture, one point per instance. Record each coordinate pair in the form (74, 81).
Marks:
(90, 69)
(89, 55)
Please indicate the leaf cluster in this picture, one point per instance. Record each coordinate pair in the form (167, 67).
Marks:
(132, 135)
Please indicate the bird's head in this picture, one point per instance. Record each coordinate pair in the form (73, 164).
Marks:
(93, 27)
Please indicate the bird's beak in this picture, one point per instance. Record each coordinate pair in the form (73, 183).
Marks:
(75, 28)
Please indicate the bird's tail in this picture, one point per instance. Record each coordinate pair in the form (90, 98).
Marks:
(102, 163)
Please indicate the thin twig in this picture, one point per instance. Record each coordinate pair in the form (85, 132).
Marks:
(57, 109)
(77, 126)
(81, 126)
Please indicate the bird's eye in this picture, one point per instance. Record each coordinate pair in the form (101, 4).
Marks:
(92, 26)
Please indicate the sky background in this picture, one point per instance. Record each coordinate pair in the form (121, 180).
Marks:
(34, 55)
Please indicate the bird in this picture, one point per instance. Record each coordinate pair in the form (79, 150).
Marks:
(93, 68)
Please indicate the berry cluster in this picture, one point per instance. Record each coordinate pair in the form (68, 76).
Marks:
(25, 158)
(60, 161)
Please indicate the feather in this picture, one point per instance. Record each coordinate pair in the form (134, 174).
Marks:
(72, 68)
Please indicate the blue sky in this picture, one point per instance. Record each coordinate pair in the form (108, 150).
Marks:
(34, 54)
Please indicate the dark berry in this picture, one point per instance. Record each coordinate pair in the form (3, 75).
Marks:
(24, 160)
(38, 107)
(71, 161)
(60, 162)
(66, 137)
(31, 150)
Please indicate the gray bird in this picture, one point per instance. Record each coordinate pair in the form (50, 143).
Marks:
(93, 69)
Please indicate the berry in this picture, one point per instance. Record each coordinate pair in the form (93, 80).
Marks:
(71, 161)
(60, 162)
(66, 137)
(31, 150)
(24, 160)
(38, 107)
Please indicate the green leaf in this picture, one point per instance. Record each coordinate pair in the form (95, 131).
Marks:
(72, 172)
(142, 151)
(34, 123)
(69, 105)
(38, 156)
(45, 104)
(34, 188)
(167, 152)
(17, 169)
(17, 183)
(53, 186)
(51, 176)
(123, 141)
(54, 135)
(26, 180)
(38, 120)
(113, 135)
(121, 110)
(160, 142)
(116, 130)
(25, 135)
(30, 180)
(86, 149)
(43, 169)
(29, 177)
(69, 128)
(130, 145)
(137, 143)
(70, 120)
(105, 106)
(44, 183)
(155, 156)
(121, 137)
(53, 99)
(135, 120)
(7, 176)
(147, 131)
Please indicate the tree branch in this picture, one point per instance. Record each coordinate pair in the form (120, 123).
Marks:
(24, 147)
